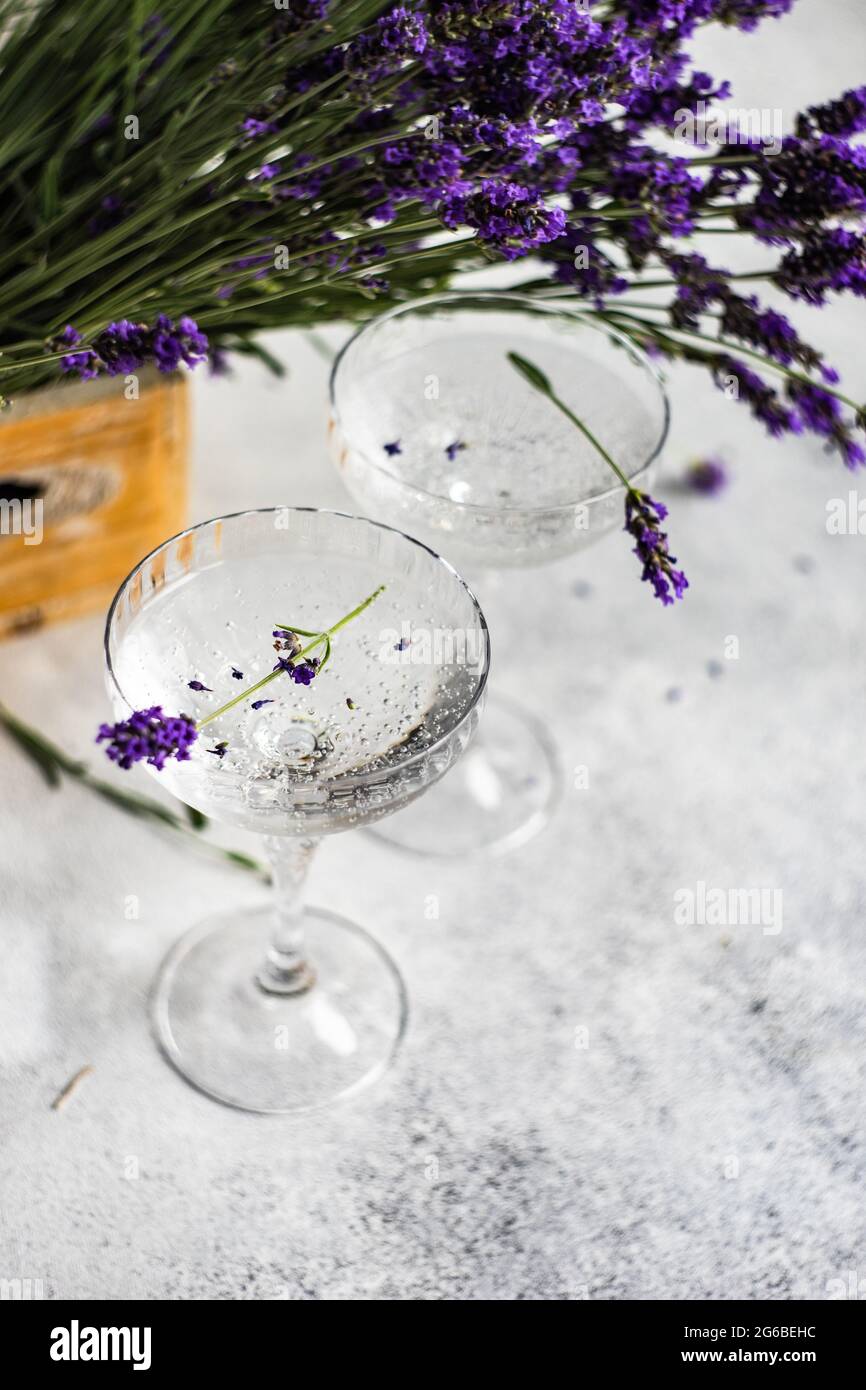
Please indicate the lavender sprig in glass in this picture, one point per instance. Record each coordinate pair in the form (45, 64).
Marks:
(150, 735)
(642, 512)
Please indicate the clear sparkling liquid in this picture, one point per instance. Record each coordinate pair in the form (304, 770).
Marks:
(515, 492)
(308, 761)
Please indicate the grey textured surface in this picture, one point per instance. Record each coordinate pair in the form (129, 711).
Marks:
(704, 1136)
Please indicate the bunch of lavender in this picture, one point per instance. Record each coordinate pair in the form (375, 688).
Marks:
(206, 172)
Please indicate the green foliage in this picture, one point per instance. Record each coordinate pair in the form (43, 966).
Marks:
(126, 180)
(54, 764)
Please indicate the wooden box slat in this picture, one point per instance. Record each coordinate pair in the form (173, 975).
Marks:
(112, 473)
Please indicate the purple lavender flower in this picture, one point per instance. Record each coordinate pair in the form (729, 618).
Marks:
(763, 400)
(767, 330)
(583, 265)
(197, 685)
(806, 183)
(395, 37)
(828, 261)
(686, 15)
(148, 735)
(392, 448)
(85, 363)
(293, 15)
(452, 450)
(508, 217)
(254, 128)
(821, 413)
(172, 344)
(236, 674)
(374, 284)
(527, 56)
(707, 476)
(124, 347)
(257, 704)
(304, 672)
(642, 517)
(699, 287)
(219, 749)
(286, 641)
(845, 116)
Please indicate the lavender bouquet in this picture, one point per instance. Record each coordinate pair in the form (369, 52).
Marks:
(174, 181)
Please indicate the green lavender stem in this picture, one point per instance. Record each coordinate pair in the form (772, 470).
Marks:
(536, 378)
(318, 639)
(54, 763)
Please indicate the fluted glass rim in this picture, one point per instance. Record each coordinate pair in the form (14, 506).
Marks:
(536, 305)
(424, 753)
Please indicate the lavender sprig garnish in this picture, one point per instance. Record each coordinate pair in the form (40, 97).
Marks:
(148, 736)
(642, 512)
(151, 736)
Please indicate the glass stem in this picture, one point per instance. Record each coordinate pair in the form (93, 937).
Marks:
(286, 969)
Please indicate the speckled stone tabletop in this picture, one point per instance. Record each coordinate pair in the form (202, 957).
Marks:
(594, 1101)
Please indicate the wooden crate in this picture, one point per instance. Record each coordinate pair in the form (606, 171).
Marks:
(111, 474)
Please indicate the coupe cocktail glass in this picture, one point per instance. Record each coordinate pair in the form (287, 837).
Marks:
(483, 468)
(282, 1007)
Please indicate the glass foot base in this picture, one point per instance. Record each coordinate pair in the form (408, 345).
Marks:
(273, 1053)
(498, 796)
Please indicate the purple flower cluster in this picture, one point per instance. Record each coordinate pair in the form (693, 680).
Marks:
(301, 672)
(845, 116)
(807, 182)
(518, 58)
(396, 37)
(822, 414)
(509, 218)
(825, 262)
(542, 127)
(685, 15)
(293, 15)
(763, 400)
(701, 288)
(831, 261)
(804, 406)
(642, 517)
(254, 128)
(663, 185)
(148, 736)
(125, 347)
